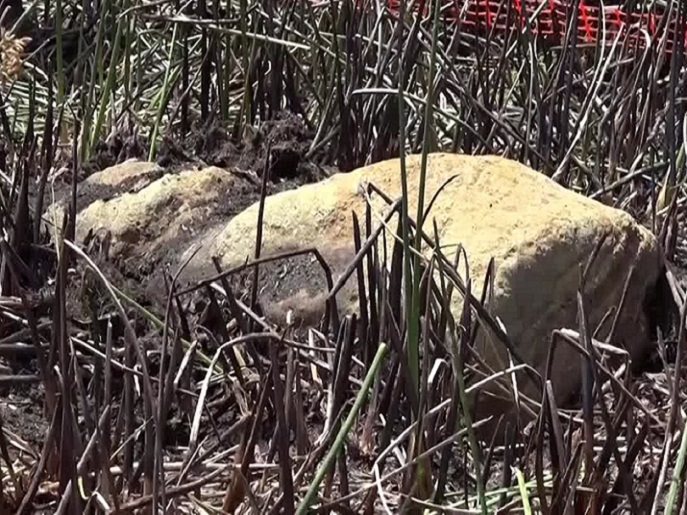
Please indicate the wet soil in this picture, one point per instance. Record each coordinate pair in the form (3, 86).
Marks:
(21, 409)
(281, 146)
(116, 149)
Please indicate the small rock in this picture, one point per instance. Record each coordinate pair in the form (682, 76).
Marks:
(125, 173)
(148, 218)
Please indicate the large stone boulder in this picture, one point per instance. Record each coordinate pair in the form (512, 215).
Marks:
(539, 234)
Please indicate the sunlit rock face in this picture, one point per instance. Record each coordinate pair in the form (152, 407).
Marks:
(539, 234)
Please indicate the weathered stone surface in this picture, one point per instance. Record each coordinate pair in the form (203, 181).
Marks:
(151, 216)
(159, 214)
(539, 234)
(142, 172)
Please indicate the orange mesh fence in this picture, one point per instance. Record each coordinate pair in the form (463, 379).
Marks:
(549, 20)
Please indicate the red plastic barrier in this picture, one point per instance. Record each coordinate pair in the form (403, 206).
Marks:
(550, 19)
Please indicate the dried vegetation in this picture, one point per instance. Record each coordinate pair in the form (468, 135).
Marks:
(204, 407)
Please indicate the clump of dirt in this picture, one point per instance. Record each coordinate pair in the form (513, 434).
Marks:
(281, 144)
(286, 139)
(21, 411)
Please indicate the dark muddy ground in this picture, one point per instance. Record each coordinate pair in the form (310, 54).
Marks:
(286, 138)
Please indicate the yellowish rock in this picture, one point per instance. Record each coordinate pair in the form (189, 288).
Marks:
(119, 174)
(539, 234)
(152, 218)
(157, 214)
(131, 175)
